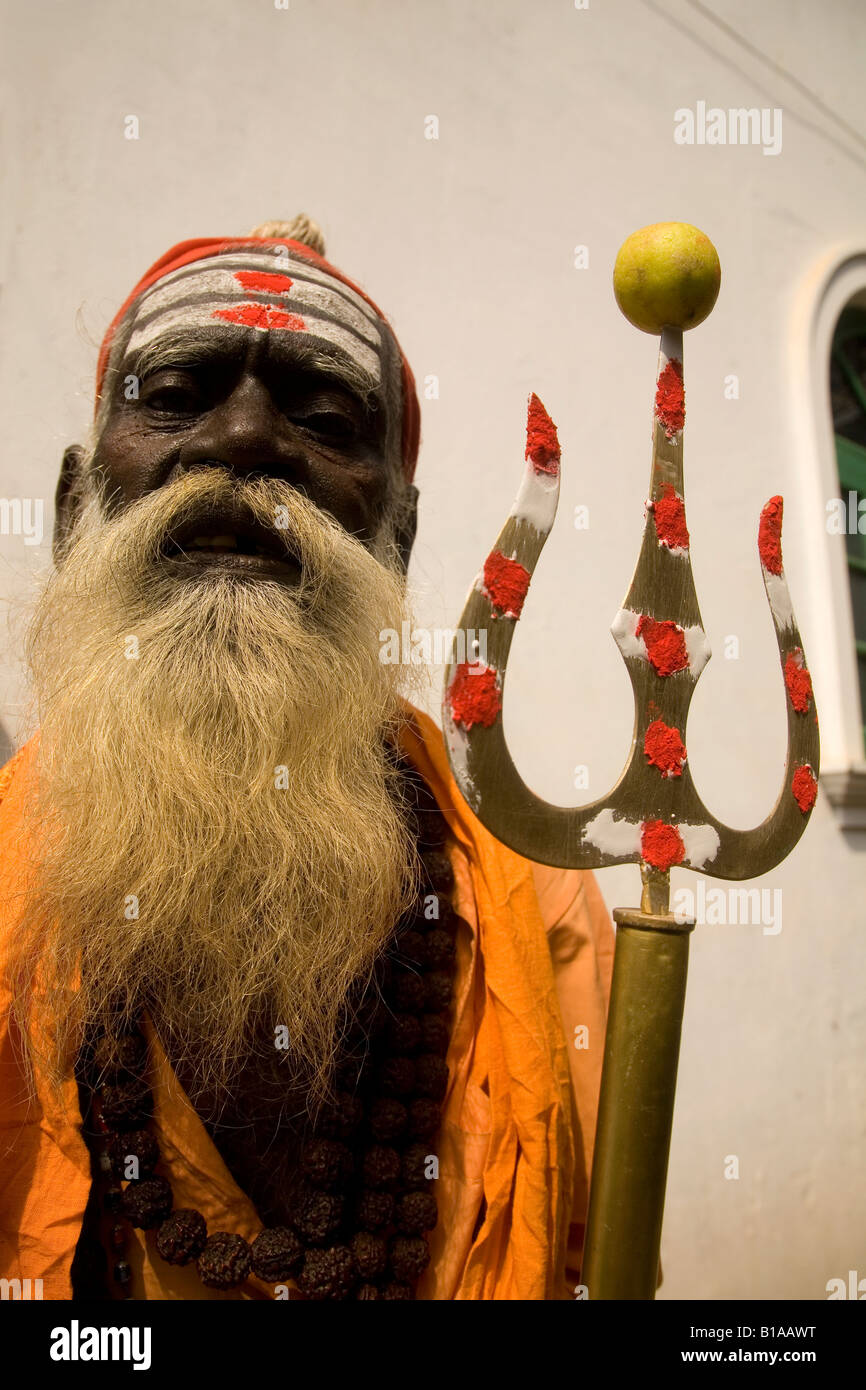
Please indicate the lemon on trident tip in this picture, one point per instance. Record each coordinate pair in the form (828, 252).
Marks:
(666, 275)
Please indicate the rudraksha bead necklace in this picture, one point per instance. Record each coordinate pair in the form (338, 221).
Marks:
(365, 1202)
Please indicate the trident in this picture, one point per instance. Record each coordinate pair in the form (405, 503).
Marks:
(653, 816)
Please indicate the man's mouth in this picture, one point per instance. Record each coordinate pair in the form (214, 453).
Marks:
(243, 547)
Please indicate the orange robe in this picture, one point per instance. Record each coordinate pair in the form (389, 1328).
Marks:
(533, 964)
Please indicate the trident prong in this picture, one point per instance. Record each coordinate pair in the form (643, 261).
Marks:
(653, 816)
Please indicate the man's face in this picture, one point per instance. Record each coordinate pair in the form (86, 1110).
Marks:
(253, 404)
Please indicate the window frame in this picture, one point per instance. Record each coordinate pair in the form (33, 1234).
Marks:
(833, 282)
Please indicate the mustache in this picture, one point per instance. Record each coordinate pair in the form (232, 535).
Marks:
(260, 512)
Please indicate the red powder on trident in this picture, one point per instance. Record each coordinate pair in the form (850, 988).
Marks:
(669, 514)
(670, 398)
(664, 748)
(805, 788)
(542, 442)
(661, 845)
(770, 536)
(665, 643)
(505, 583)
(474, 695)
(798, 681)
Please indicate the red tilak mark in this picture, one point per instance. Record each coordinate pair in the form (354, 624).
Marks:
(542, 443)
(665, 645)
(669, 514)
(670, 398)
(664, 748)
(474, 695)
(805, 788)
(661, 845)
(798, 681)
(770, 536)
(263, 280)
(260, 316)
(505, 583)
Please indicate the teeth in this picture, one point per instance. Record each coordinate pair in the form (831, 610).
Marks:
(229, 542)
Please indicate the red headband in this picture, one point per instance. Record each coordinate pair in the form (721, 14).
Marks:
(199, 249)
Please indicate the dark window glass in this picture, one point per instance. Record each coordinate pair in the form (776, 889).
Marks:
(848, 403)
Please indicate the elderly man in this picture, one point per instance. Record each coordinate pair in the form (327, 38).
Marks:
(281, 1019)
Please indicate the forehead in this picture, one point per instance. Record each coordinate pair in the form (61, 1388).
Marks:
(257, 293)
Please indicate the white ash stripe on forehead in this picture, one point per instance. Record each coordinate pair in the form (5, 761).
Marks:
(206, 315)
(258, 263)
(267, 264)
(294, 309)
(221, 285)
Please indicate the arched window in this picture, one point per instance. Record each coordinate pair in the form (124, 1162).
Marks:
(848, 402)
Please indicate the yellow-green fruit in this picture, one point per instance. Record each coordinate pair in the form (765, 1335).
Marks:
(666, 275)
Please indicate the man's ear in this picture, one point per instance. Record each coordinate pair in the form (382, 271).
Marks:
(407, 526)
(67, 497)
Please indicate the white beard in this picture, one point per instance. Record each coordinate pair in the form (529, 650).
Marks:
(217, 829)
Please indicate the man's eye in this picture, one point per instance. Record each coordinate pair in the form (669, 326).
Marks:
(172, 400)
(328, 423)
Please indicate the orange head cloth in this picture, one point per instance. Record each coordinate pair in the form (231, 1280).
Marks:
(260, 313)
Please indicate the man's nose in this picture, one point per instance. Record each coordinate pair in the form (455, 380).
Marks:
(247, 432)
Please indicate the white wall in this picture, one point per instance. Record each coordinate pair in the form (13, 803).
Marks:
(556, 129)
